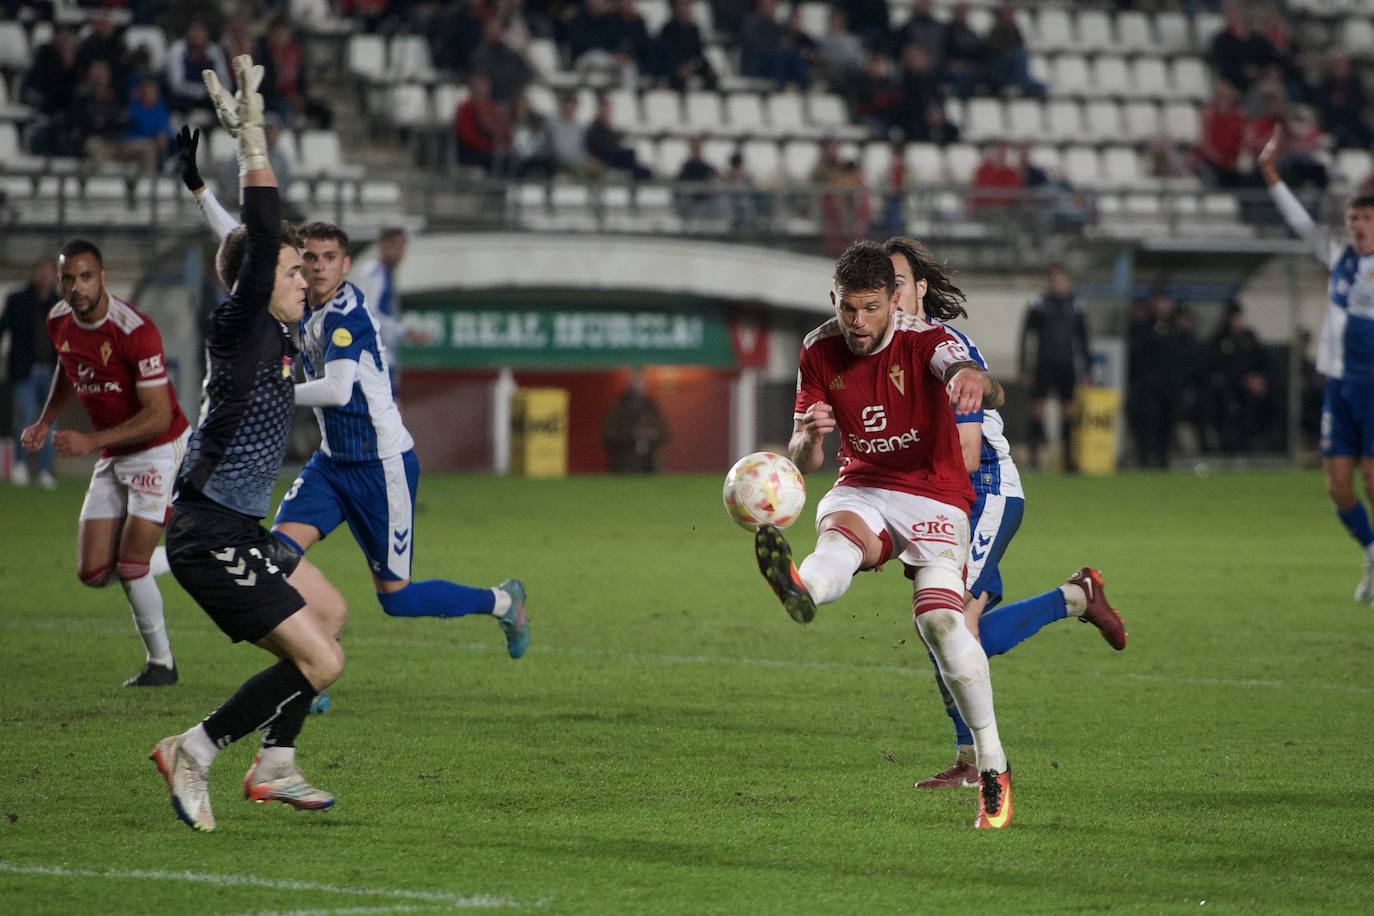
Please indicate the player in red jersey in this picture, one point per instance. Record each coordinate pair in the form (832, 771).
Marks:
(110, 355)
(885, 382)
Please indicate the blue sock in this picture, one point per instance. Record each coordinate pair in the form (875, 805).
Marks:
(962, 735)
(437, 598)
(1357, 523)
(1010, 625)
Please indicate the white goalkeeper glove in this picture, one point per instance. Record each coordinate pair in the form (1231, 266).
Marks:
(241, 114)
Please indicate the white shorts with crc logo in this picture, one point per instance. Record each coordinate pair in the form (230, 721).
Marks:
(139, 484)
(924, 531)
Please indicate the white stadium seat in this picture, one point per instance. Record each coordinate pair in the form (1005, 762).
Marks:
(1094, 31)
(983, 120)
(827, 111)
(1082, 166)
(624, 109)
(662, 111)
(409, 59)
(704, 113)
(655, 13)
(1182, 122)
(1102, 120)
(1172, 31)
(1064, 120)
(1149, 78)
(1357, 37)
(1121, 167)
(1053, 30)
(1190, 79)
(961, 160)
(367, 56)
(408, 106)
(1110, 77)
(1133, 31)
(877, 164)
(1025, 120)
(1141, 122)
(151, 37)
(1071, 75)
(543, 56)
(672, 153)
(785, 114)
(799, 157)
(1354, 166)
(14, 46)
(762, 160)
(744, 110)
(923, 164)
(447, 98)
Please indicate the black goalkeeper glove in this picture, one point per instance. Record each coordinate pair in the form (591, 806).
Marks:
(186, 142)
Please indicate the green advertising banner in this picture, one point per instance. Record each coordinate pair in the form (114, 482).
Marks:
(557, 339)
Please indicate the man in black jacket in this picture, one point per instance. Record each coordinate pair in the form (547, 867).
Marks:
(31, 362)
(251, 586)
(1054, 359)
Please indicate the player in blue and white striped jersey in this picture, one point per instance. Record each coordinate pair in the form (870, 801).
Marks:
(365, 472)
(1345, 352)
(924, 287)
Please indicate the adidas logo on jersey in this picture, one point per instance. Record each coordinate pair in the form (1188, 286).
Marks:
(837, 384)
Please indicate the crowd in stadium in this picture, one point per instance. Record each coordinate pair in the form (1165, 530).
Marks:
(94, 91)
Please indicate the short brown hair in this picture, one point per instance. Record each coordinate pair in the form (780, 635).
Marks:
(390, 233)
(320, 231)
(943, 300)
(865, 266)
(1361, 202)
(229, 258)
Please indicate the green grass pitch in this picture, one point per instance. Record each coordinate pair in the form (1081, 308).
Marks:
(673, 743)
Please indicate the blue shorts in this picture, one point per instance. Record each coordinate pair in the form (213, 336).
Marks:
(993, 521)
(376, 498)
(1347, 419)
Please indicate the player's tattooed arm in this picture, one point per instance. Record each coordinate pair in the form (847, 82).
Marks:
(966, 397)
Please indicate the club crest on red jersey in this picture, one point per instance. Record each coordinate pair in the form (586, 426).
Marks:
(106, 348)
(898, 376)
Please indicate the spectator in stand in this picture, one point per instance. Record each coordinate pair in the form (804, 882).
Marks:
(766, 48)
(940, 130)
(748, 207)
(920, 91)
(457, 33)
(1222, 138)
(595, 36)
(925, 31)
(840, 51)
(694, 203)
(186, 58)
(606, 144)
(893, 219)
(998, 181)
(284, 87)
(1239, 54)
(531, 144)
(874, 98)
(1299, 143)
(829, 164)
(635, 45)
(48, 88)
(1239, 372)
(484, 137)
(1278, 31)
(845, 209)
(1342, 102)
(237, 38)
(139, 68)
(568, 138)
(964, 53)
(682, 52)
(728, 15)
(103, 42)
(506, 68)
(869, 19)
(100, 121)
(518, 30)
(1008, 64)
(150, 125)
(31, 363)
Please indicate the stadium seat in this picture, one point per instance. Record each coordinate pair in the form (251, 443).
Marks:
(409, 59)
(1053, 31)
(961, 160)
(223, 148)
(624, 108)
(1064, 120)
(1121, 167)
(1025, 120)
(1094, 31)
(983, 120)
(1070, 76)
(162, 189)
(1141, 122)
(408, 106)
(1191, 79)
(1182, 122)
(541, 98)
(655, 13)
(877, 165)
(11, 110)
(321, 154)
(1354, 166)
(367, 57)
(799, 158)
(1109, 77)
(151, 37)
(672, 153)
(745, 113)
(332, 193)
(923, 164)
(1046, 157)
(1172, 31)
(705, 20)
(380, 193)
(717, 153)
(815, 19)
(1223, 205)
(1133, 31)
(1102, 120)
(704, 113)
(1206, 26)
(785, 115)
(447, 98)
(762, 160)
(662, 112)
(543, 56)
(646, 151)
(827, 111)
(14, 46)
(1082, 167)
(1149, 78)
(1357, 37)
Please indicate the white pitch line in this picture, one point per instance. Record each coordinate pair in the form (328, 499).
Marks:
(440, 898)
(348, 911)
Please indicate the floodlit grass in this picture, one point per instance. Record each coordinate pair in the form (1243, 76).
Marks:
(673, 743)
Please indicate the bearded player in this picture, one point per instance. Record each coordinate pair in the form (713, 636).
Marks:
(885, 382)
(110, 354)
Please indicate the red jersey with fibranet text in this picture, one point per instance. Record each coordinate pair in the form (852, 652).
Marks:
(108, 361)
(896, 427)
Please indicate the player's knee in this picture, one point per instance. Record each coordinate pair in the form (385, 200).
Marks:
(95, 576)
(1342, 492)
(129, 570)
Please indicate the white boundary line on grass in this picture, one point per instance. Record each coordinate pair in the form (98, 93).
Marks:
(434, 898)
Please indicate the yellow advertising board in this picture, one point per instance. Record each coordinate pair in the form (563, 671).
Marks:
(539, 432)
(1096, 427)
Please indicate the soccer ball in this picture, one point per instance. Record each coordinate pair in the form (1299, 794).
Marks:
(764, 489)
